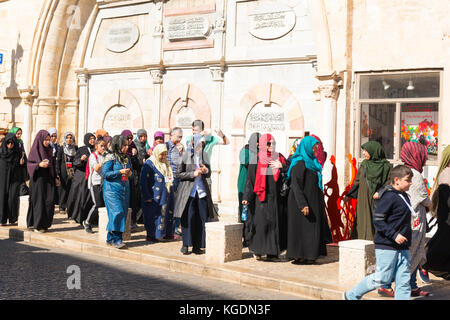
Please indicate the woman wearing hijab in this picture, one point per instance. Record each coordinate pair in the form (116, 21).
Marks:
(41, 169)
(156, 185)
(136, 165)
(79, 197)
(65, 169)
(438, 253)
(55, 147)
(320, 153)
(247, 154)
(10, 179)
(262, 194)
(141, 143)
(373, 174)
(116, 171)
(308, 231)
(193, 203)
(22, 162)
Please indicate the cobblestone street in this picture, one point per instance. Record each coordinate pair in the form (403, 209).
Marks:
(39, 273)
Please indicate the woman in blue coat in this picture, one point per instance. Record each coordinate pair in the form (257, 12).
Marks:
(156, 186)
(116, 171)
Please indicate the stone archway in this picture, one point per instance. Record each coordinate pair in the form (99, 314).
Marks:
(267, 94)
(185, 96)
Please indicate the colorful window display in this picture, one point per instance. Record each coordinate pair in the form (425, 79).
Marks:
(419, 123)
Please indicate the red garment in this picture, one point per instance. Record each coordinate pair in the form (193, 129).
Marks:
(414, 155)
(264, 158)
(320, 153)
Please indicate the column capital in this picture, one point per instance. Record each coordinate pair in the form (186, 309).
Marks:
(219, 24)
(157, 75)
(83, 77)
(28, 94)
(217, 73)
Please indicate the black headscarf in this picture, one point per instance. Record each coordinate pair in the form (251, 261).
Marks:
(10, 155)
(87, 136)
(38, 153)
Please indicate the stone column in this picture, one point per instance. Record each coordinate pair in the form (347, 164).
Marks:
(28, 94)
(83, 106)
(217, 76)
(157, 78)
(329, 93)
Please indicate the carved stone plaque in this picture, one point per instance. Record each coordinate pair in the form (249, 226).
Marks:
(271, 20)
(187, 28)
(121, 36)
(117, 119)
(185, 117)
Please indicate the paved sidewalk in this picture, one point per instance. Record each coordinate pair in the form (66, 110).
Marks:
(319, 281)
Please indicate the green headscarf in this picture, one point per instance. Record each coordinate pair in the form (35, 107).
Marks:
(14, 130)
(377, 167)
(445, 160)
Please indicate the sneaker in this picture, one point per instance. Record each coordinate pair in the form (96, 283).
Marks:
(423, 275)
(120, 245)
(87, 227)
(419, 293)
(386, 292)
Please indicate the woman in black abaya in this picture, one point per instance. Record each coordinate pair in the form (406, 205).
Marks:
(10, 179)
(79, 192)
(65, 169)
(41, 169)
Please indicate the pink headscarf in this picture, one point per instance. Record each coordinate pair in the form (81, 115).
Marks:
(320, 154)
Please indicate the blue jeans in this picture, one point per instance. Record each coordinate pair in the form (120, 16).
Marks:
(391, 264)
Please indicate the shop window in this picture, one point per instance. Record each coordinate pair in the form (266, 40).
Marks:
(395, 108)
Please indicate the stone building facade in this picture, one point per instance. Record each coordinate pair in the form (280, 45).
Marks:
(285, 66)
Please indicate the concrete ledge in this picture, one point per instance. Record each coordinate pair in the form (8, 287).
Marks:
(356, 260)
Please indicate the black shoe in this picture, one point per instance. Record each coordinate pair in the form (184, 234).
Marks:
(184, 250)
(198, 251)
(272, 258)
(298, 261)
(310, 261)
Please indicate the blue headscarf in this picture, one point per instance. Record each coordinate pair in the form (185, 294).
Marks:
(304, 152)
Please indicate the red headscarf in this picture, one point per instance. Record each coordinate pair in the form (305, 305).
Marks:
(320, 154)
(414, 155)
(264, 157)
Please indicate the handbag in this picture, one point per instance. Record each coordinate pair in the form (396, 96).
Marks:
(285, 186)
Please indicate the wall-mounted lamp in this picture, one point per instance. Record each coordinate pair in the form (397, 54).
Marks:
(410, 85)
(386, 85)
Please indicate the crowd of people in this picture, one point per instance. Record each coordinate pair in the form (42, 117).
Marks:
(167, 185)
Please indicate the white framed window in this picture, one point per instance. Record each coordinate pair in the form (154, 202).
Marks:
(396, 107)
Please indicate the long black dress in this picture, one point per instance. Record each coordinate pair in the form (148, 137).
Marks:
(79, 192)
(62, 162)
(41, 207)
(42, 182)
(438, 254)
(307, 235)
(10, 181)
(268, 221)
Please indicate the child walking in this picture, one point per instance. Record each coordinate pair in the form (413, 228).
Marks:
(95, 183)
(392, 221)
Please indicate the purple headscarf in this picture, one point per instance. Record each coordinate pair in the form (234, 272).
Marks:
(131, 146)
(38, 153)
(158, 134)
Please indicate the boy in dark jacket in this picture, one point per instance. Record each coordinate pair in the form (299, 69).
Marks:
(392, 221)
